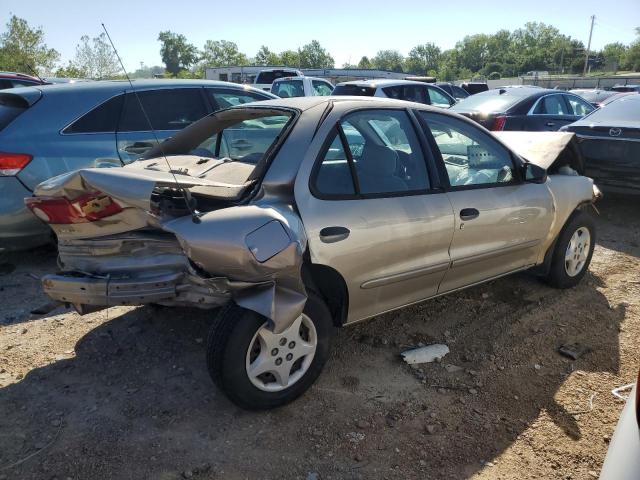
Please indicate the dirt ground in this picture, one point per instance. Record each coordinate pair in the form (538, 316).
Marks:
(125, 393)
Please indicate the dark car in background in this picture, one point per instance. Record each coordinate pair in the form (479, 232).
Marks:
(626, 88)
(455, 91)
(524, 108)
(13, 80)
(609, 140)
(474, 87)
(53, 129)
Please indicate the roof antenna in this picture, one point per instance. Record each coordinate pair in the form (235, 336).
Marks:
(195, 215)
(33, 71)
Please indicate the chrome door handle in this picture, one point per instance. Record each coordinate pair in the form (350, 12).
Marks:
(138, 148)
(333, 234)
(550, 124)
(469, 214)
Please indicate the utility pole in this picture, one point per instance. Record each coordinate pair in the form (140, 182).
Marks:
(586, 58)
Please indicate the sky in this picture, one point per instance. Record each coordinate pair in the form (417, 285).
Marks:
(347, 29)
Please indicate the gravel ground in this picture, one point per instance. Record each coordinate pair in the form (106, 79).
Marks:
(124, 393)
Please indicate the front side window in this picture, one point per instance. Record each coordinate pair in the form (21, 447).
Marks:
(438, 99)
(470, 156)
(579, 106)
(374, 153)
(321, 89)
(227, 97)
(288, 88)
(167, 109)
(551, 105)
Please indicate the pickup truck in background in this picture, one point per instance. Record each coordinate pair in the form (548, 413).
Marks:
(265, 78)
(287, 87)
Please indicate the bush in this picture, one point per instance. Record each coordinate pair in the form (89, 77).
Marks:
(494, 76)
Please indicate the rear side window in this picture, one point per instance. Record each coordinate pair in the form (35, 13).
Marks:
(11, 106)
(358, 90)
(102, 119)
(578, 106)
(551, 105)
(411, 93)
(228, 97)
(269, 77)
(439, 99)
(167, 109)
(374, 153)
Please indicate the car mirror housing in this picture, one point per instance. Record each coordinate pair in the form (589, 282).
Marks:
(533, 173)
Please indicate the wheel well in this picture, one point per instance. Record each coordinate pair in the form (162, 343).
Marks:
(330, 285)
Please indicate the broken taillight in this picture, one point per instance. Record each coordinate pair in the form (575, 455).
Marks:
(498, 123)
(12, 163)
(85, 208)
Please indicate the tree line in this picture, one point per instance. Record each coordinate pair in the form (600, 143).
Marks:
(536, 46)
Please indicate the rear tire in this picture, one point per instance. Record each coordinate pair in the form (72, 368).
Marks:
(236, 346)
(573, 251)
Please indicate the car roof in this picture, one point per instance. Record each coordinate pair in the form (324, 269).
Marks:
(383, 82)
(299, 77)
(108, 86)
(305, 103)
(17, 76)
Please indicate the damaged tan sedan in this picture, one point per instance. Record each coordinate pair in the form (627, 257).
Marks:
(299, 215)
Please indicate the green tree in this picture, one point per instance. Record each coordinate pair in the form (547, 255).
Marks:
(613, 54)
(312, 55)
(423, 59)
(391, 60)
(290, 58)
(222, 53)
(96, 59)
(22, 48)
(70, 71)
(177, 54)
(266, 57)
(349, 65)
(364, 63)
(473, 52)
(632, 56)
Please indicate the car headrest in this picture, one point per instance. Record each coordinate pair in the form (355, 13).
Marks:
(378, 159)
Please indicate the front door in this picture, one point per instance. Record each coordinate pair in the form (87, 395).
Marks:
(550, 113)
(500, 221)
(370, 210)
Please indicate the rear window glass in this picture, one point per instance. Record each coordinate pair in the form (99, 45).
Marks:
(625, 108)
(488, 103)
(288, 88)
(269, 77)
(102, 119)
(11, 106)
(357, 90)
(168, 109)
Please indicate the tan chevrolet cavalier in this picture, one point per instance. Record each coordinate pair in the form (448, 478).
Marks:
(299, 215)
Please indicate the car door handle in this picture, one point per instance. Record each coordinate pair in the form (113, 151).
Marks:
(469, 214)
(138, 147)
(333, 234)
(550, 124)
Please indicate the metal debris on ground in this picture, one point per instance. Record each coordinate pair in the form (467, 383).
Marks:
(573, 350)
(426, 354)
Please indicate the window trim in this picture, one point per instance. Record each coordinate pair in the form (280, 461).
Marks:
(442, 169)
(337, 127)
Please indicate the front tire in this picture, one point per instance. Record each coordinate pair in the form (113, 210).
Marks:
(573, 251)
(258, 369)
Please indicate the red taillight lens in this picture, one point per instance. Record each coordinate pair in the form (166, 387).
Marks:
(12, 163)
(498, 123)
(85, 208)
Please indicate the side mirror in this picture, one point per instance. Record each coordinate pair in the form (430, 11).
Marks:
(532, 173)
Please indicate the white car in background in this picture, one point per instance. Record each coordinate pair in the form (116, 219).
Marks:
(301, 87)
(266, 77)
(409, 90)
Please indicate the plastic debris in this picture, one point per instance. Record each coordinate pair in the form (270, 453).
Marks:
(425, 354)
